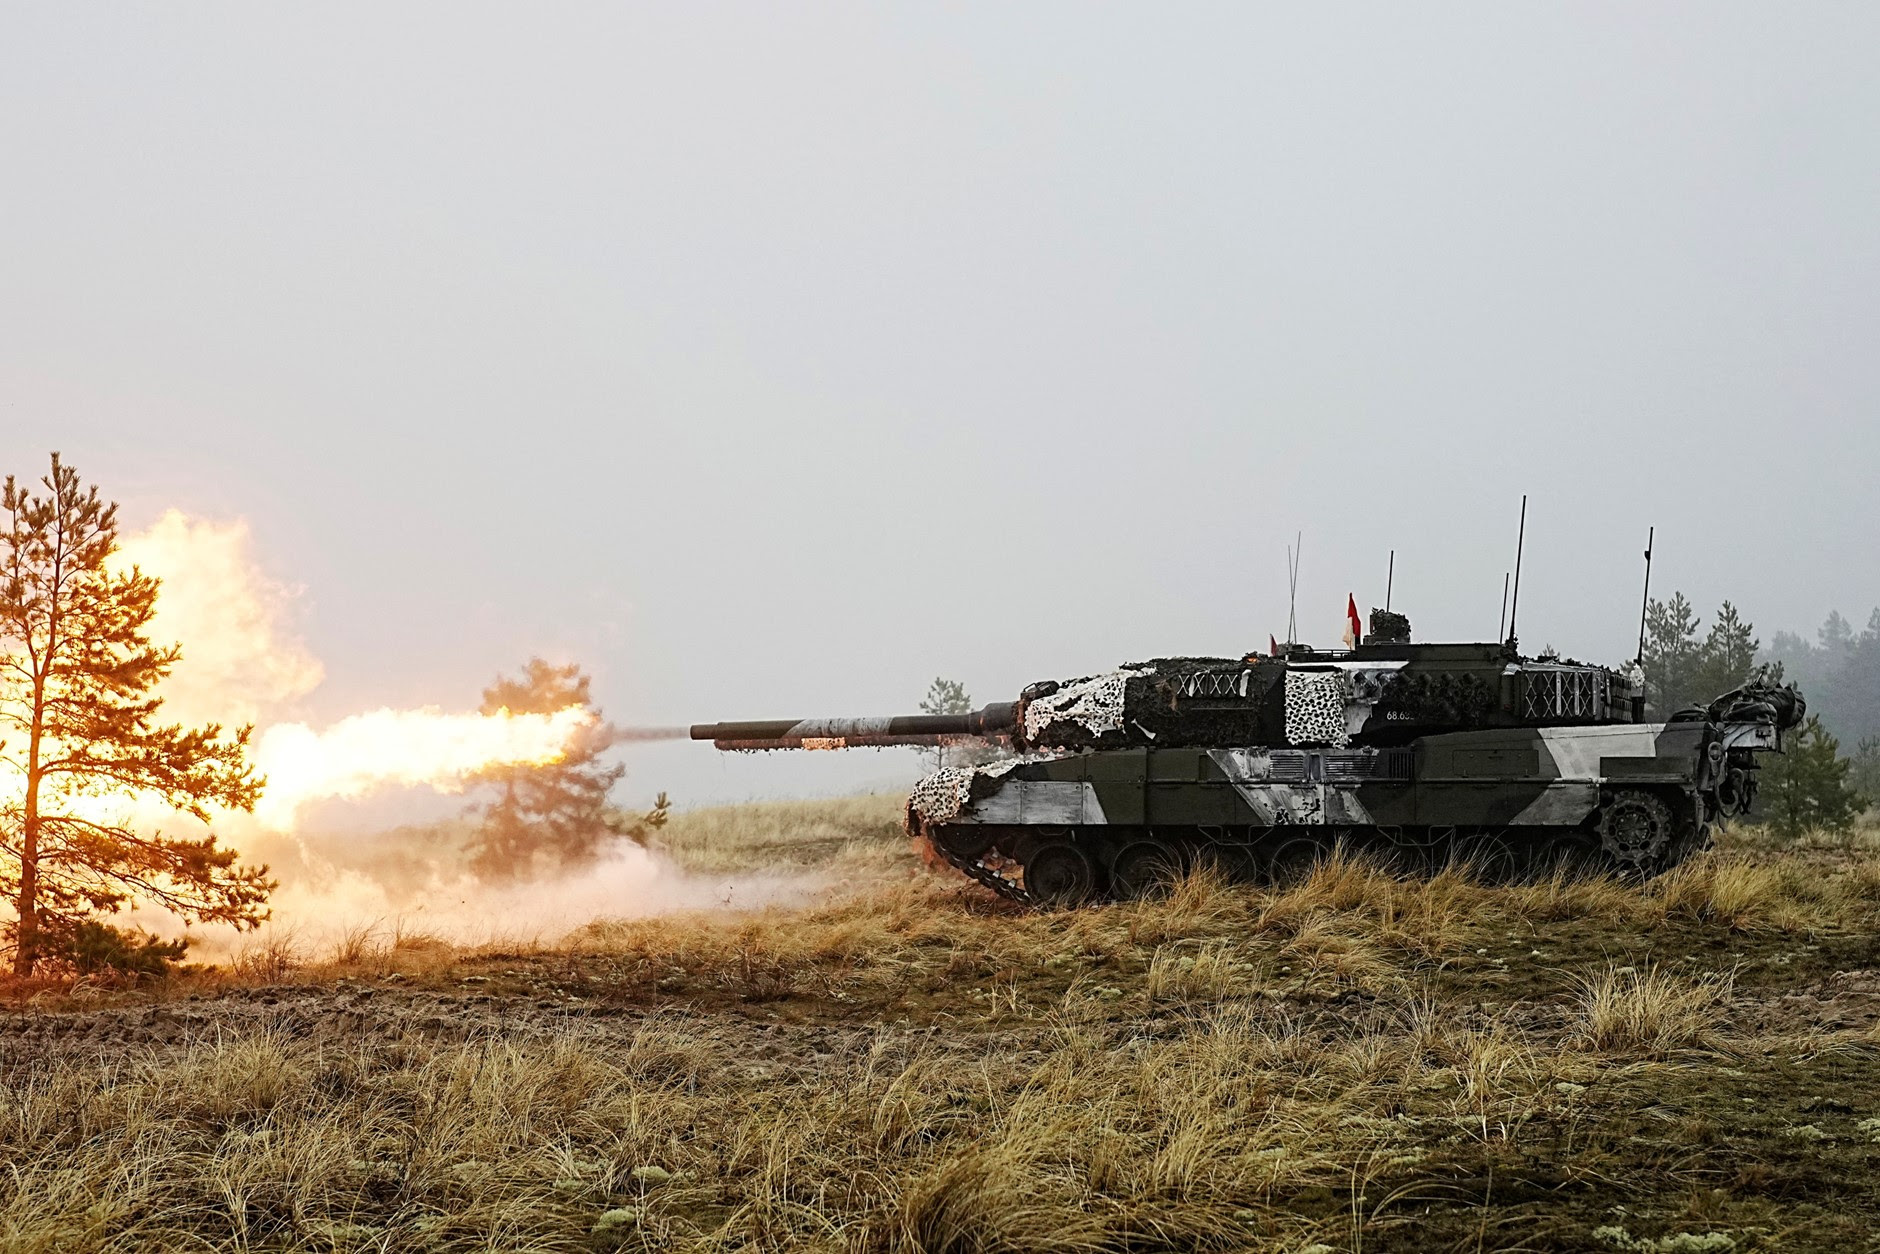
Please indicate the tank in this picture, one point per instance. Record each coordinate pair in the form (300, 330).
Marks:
(1420, 755)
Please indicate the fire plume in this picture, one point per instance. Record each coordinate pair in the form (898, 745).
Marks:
(243, 661)
(394, 748)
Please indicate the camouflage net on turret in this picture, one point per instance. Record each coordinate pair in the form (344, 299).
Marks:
(1309, 700)
(1388, 628)
(1438, 699)
(1187, 701)
(1315, 708)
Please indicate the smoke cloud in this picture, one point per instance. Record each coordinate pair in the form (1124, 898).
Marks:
(410, 880)
(244, 662)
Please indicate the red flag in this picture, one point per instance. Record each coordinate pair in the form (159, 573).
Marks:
(1272, 647)
(1354, 630)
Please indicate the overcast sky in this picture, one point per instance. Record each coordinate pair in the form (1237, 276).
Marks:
(772, 359)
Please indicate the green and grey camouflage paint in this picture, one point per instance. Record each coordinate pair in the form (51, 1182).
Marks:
(1419, 752)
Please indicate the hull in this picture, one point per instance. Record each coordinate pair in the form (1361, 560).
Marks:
(1632, 797)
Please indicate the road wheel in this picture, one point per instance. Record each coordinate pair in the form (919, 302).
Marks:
(1688, 839)
(1144, 870)
(1574, 853)
(1059, 873)
(1292, 858)
(1489, 856)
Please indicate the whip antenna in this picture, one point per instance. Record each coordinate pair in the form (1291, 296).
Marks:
(1514, 607)
(1293, 552)
(1501, 624)
(1390, 577)
(1651, 533)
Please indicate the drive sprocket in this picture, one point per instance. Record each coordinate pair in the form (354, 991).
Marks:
(1635, 828)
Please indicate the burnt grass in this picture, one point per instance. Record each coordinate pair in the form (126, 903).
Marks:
(1407, 1066)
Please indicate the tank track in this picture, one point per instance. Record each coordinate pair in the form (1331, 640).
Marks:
(1516, 844)
(977, 870)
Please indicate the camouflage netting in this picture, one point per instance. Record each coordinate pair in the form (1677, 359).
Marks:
(1437, 698)
(1311, 701)
(1173, 701)
(941, 796)
(1315, 708)
(1388, 628)
(1760, 701)
(1076, 708)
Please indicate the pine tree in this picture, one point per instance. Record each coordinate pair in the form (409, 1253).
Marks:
(1727, 656)
(1836, 635)
(1671, 655)
(949, 696)
(946, 696)
(79, 733)
(1863, 773)
(1854, 707)
(1840, 675)
(1800, 661)
(556, 817)
(1805, 787)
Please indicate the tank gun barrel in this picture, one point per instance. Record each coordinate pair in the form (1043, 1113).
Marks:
(986, 723)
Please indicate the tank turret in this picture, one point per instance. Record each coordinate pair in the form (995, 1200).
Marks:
(1375, 694)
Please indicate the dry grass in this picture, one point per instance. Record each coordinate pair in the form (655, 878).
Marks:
(1650, 1012)
(1210, 972)
(1862, 839)
(765, 835)
(1108, 1141)
(1357, 1062)
(1733, 891)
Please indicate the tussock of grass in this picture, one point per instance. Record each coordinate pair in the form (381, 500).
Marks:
(1650, 1012)
(1732, 891)
(1209, 972)
(1861, 882)
(1568, 895)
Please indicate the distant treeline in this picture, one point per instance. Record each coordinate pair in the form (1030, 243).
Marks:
(1839, 672)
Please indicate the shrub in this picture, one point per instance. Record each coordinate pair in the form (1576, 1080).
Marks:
(1805, 787)
(91, 948)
